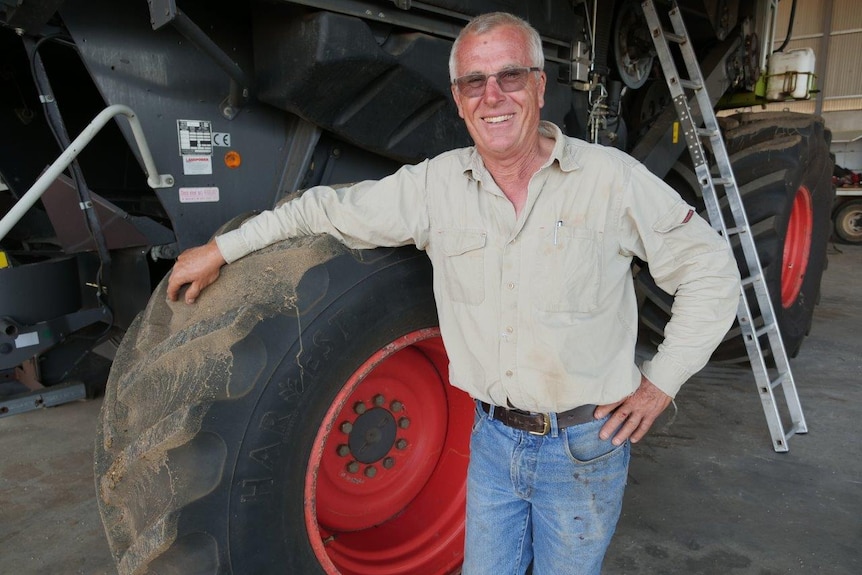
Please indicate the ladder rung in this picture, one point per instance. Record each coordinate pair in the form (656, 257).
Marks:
(708, 132)
(736, 230)
(671, 37)
(690, 84)
(765, 329)
(766, 389)
(751, 279)
(777, 381)
(794, 429)
(722, 181)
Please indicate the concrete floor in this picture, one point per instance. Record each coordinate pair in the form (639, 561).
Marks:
(706, 495)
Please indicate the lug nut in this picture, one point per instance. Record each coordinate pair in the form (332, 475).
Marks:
(396, 406)
(379, 400)
(403, 423)
(388, 463)
(370, 471)
(343, 450)
(401, 444)
(346, 427)
(359, 408)
(353, 467)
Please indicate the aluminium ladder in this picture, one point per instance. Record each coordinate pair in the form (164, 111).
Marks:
(767, 379)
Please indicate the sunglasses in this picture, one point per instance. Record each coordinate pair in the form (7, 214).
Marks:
(509, 80)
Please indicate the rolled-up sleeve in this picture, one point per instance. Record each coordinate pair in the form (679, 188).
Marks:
(389, 212)
(689, 260)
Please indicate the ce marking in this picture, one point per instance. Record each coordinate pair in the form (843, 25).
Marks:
(221, 139)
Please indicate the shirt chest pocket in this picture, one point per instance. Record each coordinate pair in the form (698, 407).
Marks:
(567, 270)
(464, 264)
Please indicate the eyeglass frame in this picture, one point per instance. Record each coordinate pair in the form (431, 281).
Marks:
(496, 77)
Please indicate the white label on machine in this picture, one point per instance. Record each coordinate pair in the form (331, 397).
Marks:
(194, 195)
(195, 137)
(221, 139)
(27, 339)
(197, 165)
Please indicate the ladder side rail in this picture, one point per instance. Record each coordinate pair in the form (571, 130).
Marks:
(710, 199)
(762, 378)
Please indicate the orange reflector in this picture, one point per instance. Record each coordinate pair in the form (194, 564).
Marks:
(232, 159)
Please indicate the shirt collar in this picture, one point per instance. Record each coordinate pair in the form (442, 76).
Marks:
(564, 153)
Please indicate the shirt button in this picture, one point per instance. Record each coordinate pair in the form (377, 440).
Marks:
(510, 285)
(509, 329)
(509, 373)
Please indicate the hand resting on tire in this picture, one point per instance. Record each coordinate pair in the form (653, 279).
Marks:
(198, 267)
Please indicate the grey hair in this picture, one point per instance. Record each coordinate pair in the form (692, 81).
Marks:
(487, 22)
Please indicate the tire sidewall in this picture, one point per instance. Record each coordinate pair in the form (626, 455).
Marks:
(346, 313)
(795, 319)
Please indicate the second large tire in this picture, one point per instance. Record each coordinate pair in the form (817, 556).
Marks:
(783, 169)
(296, 419)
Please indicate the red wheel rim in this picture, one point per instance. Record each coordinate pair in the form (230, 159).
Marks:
(386, 483)
(797, 247)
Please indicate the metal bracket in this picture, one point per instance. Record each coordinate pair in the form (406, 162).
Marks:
(163, 12)
(47, 397)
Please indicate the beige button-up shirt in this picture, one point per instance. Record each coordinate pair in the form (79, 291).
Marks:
(537, 312)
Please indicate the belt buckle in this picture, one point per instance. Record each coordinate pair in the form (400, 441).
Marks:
(546, 428)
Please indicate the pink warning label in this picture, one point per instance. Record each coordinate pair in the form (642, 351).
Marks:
(192, 195)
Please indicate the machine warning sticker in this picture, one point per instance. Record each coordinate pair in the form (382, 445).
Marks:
(221, 139)
(197, 165)
(195, 137)
(196, 195)
(27, 339)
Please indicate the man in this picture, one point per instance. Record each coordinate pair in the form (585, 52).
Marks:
(531, 235)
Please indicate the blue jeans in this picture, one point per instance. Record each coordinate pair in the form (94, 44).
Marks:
(552, 500)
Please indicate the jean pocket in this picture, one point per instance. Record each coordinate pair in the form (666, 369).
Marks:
(585, 447)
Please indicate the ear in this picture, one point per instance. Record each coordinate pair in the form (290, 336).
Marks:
(457, 97)
(543, 79)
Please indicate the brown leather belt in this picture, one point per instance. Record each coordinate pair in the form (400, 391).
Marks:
(539, 423)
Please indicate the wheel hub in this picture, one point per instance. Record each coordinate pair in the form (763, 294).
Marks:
(372, 436)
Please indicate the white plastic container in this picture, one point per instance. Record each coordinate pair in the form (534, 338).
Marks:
(790, 75)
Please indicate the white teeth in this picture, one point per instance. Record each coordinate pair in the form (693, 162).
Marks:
(498, 119)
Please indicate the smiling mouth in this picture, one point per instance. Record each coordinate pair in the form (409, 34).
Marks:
(498, 119)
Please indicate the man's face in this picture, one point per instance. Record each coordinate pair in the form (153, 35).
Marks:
(502, 124)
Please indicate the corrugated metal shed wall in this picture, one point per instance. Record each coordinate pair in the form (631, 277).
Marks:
(842, 82)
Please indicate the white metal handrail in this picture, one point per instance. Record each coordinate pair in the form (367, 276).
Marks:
(154, 179)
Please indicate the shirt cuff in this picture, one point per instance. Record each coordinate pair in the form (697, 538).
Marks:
(232, 246)
(665, 374)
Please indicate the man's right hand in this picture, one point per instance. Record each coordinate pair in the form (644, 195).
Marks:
(196, 266)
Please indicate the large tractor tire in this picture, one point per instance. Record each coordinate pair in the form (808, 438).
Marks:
(296, 419)
(783, 170)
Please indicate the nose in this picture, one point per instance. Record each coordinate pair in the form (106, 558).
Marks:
(493, 92)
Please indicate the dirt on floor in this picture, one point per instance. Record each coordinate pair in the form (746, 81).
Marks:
(707, 494)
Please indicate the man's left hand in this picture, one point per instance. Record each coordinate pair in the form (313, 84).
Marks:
(633, 416)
